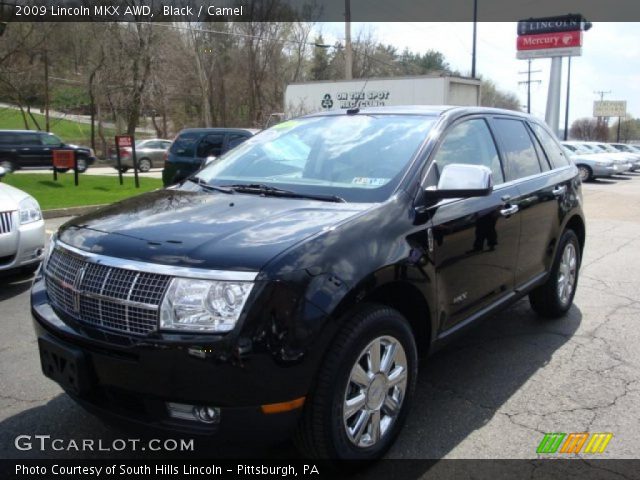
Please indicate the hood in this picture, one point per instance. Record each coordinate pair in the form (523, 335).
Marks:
(10, 197)
(203, 230)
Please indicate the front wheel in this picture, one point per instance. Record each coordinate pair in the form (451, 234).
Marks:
(363, 390)
(144, 165)
(7, 165)
(585, 173)
(554, 298)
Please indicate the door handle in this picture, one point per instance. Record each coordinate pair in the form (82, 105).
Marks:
(508, 211)
(561, 190)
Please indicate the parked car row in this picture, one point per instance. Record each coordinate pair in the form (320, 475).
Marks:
(597, 159)
(21, 149)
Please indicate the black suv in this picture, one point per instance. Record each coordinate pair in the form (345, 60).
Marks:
(193, 146)
(292, 282)
(31, 149)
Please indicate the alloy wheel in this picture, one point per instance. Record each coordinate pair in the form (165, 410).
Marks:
(567, 273)
(584, 173)
(375, 391)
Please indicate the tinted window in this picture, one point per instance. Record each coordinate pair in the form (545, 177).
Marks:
(185, 144)
(554, 152)
(211, 145)
(235, 140)
(8, 138)
(522, 159)
(470, 142)
(51, 140)
(29, 139)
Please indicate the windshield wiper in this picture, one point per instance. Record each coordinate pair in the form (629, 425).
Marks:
(206, 186)
(262, 189)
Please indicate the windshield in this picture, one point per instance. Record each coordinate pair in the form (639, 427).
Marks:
(579, 149)
(360, 158)
(185, 144)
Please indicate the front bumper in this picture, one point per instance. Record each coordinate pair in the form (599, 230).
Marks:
(605, 171)
(133, 379)
(23, 246)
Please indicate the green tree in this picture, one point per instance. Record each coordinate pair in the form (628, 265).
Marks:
(320, 61)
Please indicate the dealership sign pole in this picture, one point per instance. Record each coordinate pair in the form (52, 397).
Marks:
(551, 37)
(122, 141)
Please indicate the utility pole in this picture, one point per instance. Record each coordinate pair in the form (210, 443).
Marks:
(528, 83)
(475, 38)
(348, 53)
(46, 90)
(552, 114)
(602, 93)
(566, 108)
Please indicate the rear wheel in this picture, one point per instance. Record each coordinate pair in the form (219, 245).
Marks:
(82, 165)
(586, 174)
(7, 165)
(144, 165)
(554, 298)
(364, 388)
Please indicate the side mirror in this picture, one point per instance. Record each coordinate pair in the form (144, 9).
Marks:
(209, 159)
(2, 172)
(462, 181)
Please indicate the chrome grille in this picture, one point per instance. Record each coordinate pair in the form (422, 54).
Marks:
(6, 222)
(103, 296)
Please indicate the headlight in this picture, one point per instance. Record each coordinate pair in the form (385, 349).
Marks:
(29, 211)
(203, 305)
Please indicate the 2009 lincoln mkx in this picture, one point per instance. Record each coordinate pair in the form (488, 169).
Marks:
(289, 285)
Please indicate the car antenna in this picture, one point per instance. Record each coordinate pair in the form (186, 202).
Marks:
(356, 109)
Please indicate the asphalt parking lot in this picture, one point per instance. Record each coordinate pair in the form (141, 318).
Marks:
(492, 394)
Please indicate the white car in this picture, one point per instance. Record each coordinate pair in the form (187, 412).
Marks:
(22, 234)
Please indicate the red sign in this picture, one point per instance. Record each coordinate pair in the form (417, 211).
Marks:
(545, 41)
(123, 141)
(63, 158)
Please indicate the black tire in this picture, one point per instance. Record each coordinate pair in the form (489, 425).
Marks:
(586, 174)
(546, 299)
(62, 170)
(145, 164)
(124, 169)
(322, 432)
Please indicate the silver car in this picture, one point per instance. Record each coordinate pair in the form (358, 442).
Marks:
(593, 148)
(589, 165)
(21, 229)
(150, 153)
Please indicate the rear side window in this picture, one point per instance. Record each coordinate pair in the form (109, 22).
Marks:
(185, 144)
(235, 140)
(554, 152)
(522, 159)
(471, 143)
(29, 139)
(7, 139)
(211, 145)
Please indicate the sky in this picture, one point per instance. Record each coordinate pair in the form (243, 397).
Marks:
(610, 59)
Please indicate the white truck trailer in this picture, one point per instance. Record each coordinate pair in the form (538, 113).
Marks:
(310, 97)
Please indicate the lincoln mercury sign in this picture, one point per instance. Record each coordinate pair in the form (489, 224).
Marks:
(551, 37)
(609, 108)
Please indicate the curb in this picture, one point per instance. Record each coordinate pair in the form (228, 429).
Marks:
(69, 212)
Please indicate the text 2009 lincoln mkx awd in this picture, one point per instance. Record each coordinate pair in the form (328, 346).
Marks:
(289, 285)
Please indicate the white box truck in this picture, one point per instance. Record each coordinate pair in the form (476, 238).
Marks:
(309, 97)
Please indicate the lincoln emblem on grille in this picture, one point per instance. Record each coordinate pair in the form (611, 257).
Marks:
(76, 288)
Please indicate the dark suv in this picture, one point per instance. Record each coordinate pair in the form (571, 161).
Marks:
(31, 149)
(192, 147)
(290, 285)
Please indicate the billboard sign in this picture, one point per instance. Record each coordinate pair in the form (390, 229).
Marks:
(562, 23)
(550, 40)
(610, 108)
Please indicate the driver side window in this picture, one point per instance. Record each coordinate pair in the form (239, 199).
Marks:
(470, 143)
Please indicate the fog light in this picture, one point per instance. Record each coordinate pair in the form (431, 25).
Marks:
(194, 413)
